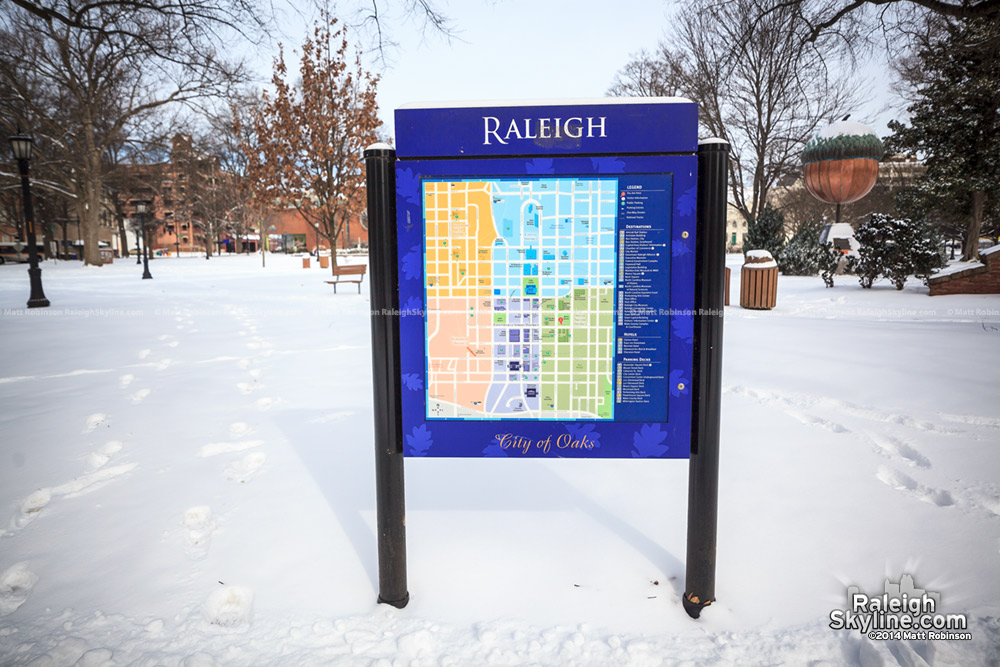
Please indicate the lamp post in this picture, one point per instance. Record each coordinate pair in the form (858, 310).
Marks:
(140, 208)
(22, 145)
(138, 249)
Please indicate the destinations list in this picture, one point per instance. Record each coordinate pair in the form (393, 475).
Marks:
(643, 298)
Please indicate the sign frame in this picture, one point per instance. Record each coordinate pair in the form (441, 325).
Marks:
(712, 162)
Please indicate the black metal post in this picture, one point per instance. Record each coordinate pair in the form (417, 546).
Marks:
(37, 297)
(703, 471)
(380, 165)
(138, 248)
(145, 247)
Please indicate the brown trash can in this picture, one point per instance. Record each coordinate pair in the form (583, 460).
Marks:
(728, 272)
(324, 262)
(759, 281)
(305, 262)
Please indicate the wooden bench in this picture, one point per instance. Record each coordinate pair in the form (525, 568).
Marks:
(348, 273)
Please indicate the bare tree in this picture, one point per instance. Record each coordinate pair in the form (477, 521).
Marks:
(201, 21)
(229, 127)
(762, 90)
(858, 17)
(82, 91)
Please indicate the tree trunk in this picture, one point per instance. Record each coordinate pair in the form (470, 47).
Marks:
(88, 213)
(122, 236)
(970, 251)
(46, 240)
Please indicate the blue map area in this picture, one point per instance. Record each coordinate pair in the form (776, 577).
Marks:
(554, 234)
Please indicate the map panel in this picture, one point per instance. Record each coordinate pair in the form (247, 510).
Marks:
(520, 294)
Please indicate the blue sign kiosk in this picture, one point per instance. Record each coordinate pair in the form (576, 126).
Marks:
(540, 283)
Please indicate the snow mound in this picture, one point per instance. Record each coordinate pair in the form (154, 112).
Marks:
(850, 127)
(15, 584)
(230, 607)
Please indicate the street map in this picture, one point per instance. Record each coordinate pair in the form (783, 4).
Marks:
(520, 292)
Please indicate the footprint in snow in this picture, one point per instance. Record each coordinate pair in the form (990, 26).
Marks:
(32, 506)
(163, 365)
(139, 396)
(29, 509)
(265, 403)
(101, 457)
(16, 583)
(173, 343)
(230, 607)
(216, 448)
(896, 448)
(990, 502)
(126, 380)
(239, 429)
(902, 482)
(812, 420)
(144, 353)
(245, 469)
(95, 420)
(199, 524)
(245, 387)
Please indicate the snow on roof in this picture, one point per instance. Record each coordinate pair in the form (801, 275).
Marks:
(845, 127)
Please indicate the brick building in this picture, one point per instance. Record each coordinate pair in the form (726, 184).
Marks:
(195, 204)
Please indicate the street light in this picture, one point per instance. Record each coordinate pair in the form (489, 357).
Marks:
(138, 247)
(140, 208)
(22, 144)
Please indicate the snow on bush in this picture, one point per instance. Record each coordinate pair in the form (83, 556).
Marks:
(896, 248)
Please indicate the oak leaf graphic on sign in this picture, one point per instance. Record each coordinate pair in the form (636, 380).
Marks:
(648, 442)
(419, 441)
(683, 326)
(412, 269)
(542, 165)
(494, 448)
(686, 202)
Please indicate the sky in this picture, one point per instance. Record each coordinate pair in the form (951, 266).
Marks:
(525, 49)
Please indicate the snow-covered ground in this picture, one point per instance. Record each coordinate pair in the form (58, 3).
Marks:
(186, 478)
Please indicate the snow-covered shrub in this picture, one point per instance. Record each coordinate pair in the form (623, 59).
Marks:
(801, 255)
(896, 248)
(766, 231)
(829, 261)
